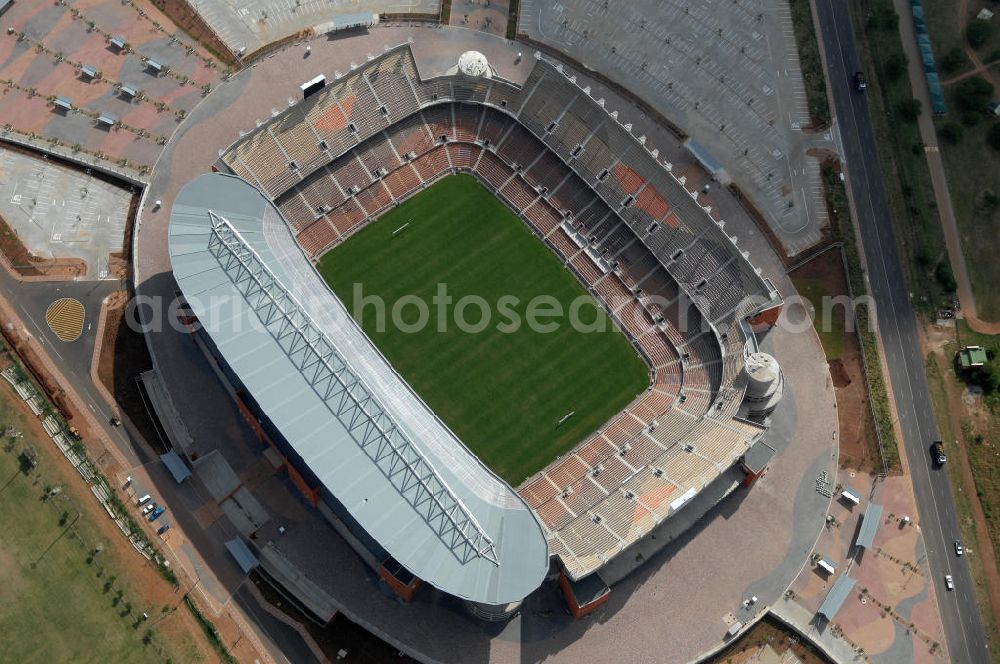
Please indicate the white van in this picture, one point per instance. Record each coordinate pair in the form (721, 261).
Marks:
(142, 501)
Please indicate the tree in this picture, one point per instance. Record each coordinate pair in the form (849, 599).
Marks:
(908, 110)
(993, 137)
(988, 201)
(883, 17)
(953, 60)
(978, 32)
(987, 377)
(974, 93)
(945, 277)
(894, 65)
(951, 132)
(971, 118)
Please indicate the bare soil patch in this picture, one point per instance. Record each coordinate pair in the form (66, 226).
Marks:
(26, 264)
(769, 634)
(839, 373)
(858, 444)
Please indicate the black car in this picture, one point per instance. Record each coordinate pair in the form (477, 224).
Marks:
(937, 453)
(859, 81)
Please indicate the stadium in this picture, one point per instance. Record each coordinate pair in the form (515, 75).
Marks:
(250, 245)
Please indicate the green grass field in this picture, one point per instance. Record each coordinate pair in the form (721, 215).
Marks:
(502, 392)
(53, 604)
(832, 338)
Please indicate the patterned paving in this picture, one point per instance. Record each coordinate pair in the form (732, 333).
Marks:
(51, 50)
(65, 317)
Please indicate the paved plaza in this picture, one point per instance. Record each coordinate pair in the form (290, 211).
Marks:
(726, 72)
(251, 24)
(892, 612)
(59, 212)
(50, 51)
(489, 16)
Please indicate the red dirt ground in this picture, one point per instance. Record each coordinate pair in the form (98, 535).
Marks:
(749, 646)
(858, 448)
(25, 264)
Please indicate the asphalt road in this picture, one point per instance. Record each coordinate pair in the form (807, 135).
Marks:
(899, 332)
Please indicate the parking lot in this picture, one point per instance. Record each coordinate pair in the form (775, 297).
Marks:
(58, 212)
(726, 72)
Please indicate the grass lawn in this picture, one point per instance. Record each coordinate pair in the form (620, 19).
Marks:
(904, 164)
(502, 392)
(831, 333)
(809, 59)
(944, 28)
(973, 168)
(52, 606)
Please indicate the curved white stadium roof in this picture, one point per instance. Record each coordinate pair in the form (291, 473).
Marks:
(399, 471)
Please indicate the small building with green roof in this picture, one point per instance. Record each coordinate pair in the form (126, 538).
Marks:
(971, 357)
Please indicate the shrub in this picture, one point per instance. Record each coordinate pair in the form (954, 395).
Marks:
(971, 118)
(894, 65)
(993, 137)
(988, 201)
(953, 60)
(945, 277)
(883, 17)
(908, 110)
(974, 93)
(951, 132)
(986, 377)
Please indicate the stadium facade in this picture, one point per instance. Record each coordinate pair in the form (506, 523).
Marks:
(361, 445)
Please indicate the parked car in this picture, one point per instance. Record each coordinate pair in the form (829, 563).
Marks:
(859, 81)
(157, 513)
(164, 528)
(145, 499)
(959, 550)
(149, 508)
(948, 582)
(937, 453)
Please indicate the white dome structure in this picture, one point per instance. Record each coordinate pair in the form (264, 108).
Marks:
(474, 63)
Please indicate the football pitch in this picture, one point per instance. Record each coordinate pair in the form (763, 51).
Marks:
(502, 387)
